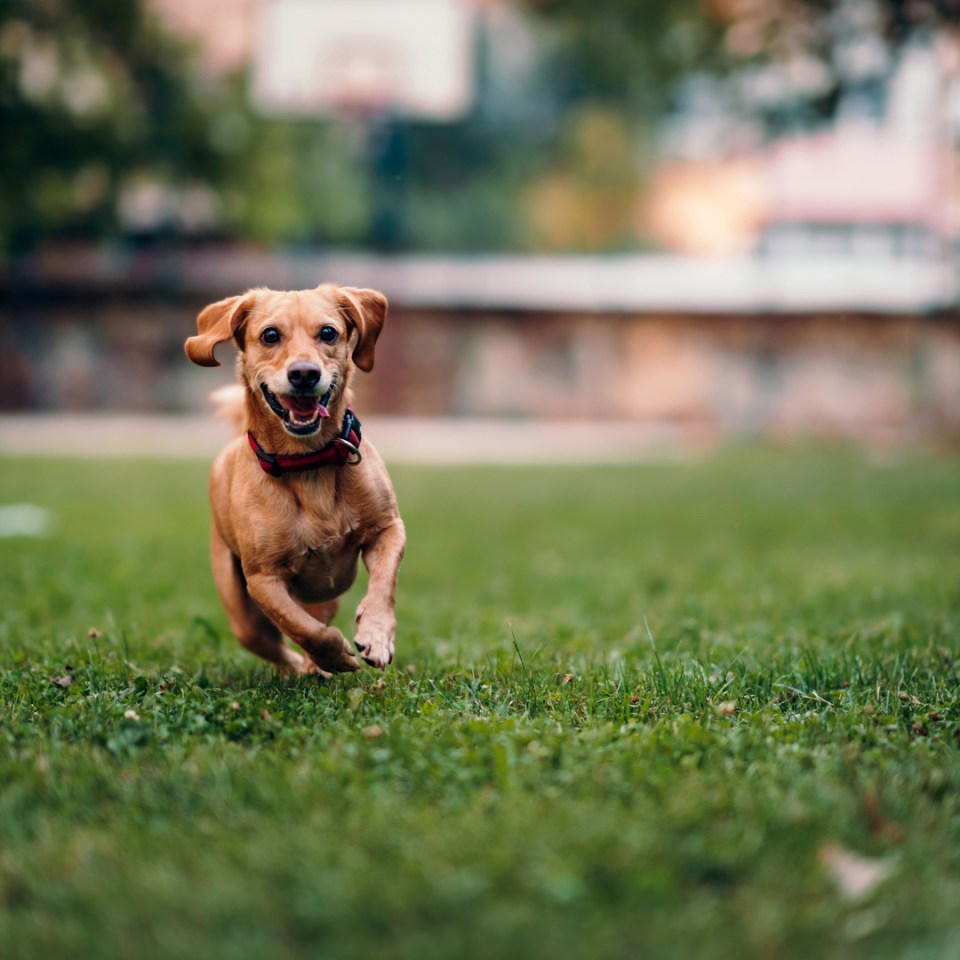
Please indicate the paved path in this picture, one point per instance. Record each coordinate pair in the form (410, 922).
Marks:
(399, 439)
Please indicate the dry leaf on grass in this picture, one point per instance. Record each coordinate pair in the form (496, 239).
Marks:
(66, 679)
(855, 876)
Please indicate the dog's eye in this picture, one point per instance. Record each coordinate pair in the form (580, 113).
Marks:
(270, 336)
(329, 334)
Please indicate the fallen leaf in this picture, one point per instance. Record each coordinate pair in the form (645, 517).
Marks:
(855, 876)
(66, 679)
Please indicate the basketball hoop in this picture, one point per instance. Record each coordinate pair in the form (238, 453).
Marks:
(410, 58)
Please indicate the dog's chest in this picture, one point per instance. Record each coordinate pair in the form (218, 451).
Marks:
(324, 546)
(322, 526)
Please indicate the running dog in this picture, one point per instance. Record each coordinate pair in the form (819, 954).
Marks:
(297, 499)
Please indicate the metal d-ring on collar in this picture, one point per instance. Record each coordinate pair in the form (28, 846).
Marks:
(350, 428)
(356, 453)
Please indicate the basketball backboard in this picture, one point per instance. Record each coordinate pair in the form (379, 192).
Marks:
(412, 57)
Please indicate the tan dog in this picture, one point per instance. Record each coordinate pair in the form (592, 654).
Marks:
(294, 505)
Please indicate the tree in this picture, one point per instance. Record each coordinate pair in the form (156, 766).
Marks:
(635, 51)
(93, 95)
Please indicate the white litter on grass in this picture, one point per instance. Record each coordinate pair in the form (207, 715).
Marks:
(854, 875)
(25, 520)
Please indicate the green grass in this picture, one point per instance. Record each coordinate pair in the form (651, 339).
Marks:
(538, 775)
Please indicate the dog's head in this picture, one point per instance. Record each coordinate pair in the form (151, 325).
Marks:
(296, 347)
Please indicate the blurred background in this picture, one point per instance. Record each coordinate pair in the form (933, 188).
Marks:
(707, 219)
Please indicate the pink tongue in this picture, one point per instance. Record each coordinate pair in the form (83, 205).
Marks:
(305, 407)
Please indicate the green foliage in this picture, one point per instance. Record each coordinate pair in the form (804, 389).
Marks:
(636, 53)
(92, 94)
(630, 53)
(539, 774)
(99, 105)
(296, 182)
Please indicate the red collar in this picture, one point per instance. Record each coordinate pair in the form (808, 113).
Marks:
(345, 449)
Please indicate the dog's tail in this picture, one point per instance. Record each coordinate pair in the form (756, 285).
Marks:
(229, 401)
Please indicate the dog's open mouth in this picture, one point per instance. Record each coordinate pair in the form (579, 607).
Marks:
(301, 413)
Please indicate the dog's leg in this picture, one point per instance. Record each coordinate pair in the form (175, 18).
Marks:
(247, 621)
(326, 646)
(376, 620)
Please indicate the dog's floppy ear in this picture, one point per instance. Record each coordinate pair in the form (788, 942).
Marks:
(216, 323)
(365, 310)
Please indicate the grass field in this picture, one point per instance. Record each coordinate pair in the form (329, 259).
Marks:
(538, 775)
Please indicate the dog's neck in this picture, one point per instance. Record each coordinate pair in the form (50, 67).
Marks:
(273, 436)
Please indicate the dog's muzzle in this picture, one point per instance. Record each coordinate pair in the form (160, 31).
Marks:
(300, 411)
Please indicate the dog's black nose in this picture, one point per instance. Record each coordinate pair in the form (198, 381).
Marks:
(303, 375)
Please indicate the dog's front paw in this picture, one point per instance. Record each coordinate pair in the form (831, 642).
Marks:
(312, 670)
(331, 653)
(295, 665)
(375, 638)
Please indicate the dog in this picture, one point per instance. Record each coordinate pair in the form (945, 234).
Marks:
(297, 499)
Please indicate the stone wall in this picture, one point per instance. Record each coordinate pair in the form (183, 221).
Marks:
(884, 376)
